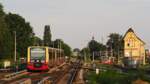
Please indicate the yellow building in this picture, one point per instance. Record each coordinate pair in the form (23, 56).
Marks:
(134, 47)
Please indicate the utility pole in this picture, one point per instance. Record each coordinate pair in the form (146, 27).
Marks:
(118, 57)
(112, 48)
(15, 54)
(53, 54)
(60, 50)
(84, 56)
(15, 48)
(102, 39)
(93, 56)
(93, 50)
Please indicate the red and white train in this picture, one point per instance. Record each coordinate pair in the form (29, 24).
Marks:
(42, 58)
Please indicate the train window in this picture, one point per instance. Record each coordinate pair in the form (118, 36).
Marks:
(38, 54)
(42, 61)
(32, 60)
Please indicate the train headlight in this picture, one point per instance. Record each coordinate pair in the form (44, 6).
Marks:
(32, 60)
(37, 61)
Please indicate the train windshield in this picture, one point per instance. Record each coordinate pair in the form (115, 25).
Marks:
(38, 54)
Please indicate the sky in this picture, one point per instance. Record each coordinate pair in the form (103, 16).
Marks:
(76, 21)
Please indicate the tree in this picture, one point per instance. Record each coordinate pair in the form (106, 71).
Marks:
(67, 49)
(47, 36)
(5, 37)
(85, 52)
(58, 43)
(95, 46)
(24, 32)
(37, 41)
(76, 50)
(1, 11)
(115, 43)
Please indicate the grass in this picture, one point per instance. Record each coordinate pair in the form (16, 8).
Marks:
(109, 77)
(112, 76)
(25, 76)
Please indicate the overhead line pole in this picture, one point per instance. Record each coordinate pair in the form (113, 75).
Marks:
(15, 53)
(15, 58)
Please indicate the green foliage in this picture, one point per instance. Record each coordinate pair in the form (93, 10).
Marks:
(5, 44)
(1, 10)
(115, 43)
(47, 36)
(67, 49)
(95, 46)
(58, 43)
(109, 77)
(1, 64)
(37, 41)
(76, 50)
(23, 31)
(86, 52)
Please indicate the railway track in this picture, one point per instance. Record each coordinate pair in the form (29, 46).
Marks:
(51, 77)
(56, 76)
(23, 76)
(62, 75)
(74, 71)
(9, 78)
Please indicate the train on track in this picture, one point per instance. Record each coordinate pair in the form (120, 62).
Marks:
(41, 58)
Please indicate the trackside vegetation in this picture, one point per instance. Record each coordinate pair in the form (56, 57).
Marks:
(115, 77)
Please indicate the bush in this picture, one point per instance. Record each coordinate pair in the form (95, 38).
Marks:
(1, 65)
(110, 77)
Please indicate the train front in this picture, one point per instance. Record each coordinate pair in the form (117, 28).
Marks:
(37, 59)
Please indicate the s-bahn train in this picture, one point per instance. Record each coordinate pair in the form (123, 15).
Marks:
(40, 58)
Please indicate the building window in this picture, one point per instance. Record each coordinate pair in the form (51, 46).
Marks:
(128, 44)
